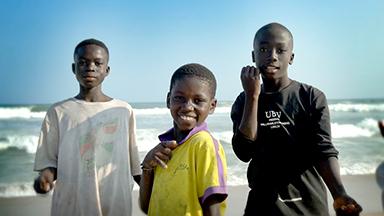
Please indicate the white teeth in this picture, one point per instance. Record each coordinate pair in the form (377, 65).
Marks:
(187, 118)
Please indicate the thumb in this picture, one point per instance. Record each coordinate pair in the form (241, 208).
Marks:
(45, 185)
(170, 144)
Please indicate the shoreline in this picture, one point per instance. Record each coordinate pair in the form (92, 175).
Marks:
(363, 188)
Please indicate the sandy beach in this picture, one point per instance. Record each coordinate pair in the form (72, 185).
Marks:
(362, 187)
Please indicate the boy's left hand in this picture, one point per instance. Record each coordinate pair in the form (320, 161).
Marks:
(346, 205)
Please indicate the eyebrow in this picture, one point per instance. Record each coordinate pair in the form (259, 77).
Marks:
(96, 59)
(268, 42)
(195, 95)
(279, 44)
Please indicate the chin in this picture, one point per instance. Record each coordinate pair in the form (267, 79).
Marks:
(186, 127)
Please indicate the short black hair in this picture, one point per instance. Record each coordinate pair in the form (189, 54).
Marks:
(273, 25)
(195, 70)
(90, 41)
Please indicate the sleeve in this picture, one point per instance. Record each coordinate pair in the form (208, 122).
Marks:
(211, 171)
(48, 144)
(133, 149)
(242, 146)
(320, 121)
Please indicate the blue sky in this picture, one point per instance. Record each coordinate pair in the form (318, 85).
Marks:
(338, 45)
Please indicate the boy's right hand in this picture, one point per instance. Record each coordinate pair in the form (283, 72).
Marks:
(44, 182)
(159, 155)
(250, 79)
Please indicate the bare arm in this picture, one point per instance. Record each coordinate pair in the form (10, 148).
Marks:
(211, 206)
(343, 204)
(250, 79)
(158, 156)
(146, 184)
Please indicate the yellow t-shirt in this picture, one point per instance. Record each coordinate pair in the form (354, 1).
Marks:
(196, 170)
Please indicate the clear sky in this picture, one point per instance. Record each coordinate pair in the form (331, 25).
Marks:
(338, 45)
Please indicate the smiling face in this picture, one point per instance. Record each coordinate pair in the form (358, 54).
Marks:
(273, 51)
(91, 66)
(190, 100)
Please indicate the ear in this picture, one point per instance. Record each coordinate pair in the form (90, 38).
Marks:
(253, 56)
(107, 70)
(292, 57)
(73, 68)
(168, 100)
(212, 106)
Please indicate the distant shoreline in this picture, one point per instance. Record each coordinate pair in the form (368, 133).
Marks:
(163, 102)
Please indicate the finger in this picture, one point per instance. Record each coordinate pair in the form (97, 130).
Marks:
(44, 185)
(170, 144)
(354, 207)
(245, 72)
(257, 72)
(250, 72)
(160, 162)
(164, 156)
(47, 187)
(38, 187)
(253, 73)
(162, 149)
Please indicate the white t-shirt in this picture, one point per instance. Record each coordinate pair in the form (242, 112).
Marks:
(93, 146)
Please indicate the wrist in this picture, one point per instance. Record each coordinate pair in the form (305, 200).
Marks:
(251, 96)
(146, 168)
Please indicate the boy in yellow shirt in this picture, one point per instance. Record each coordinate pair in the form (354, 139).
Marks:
(193, 182)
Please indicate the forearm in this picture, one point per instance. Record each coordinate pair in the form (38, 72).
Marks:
(248, 124)
(329, 170)
(146, 183)
(211, 207)
(242, 146)
(212, 210)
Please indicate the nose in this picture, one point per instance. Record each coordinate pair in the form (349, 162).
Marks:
(188, 105)
(273, 55)
(90, 66)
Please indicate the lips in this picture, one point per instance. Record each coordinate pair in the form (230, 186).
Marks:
(186, 117)
(89, 77)
(270, 68)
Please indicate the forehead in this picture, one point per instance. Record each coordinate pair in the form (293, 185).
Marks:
(197, 84)
(273, 35)
(91, 51)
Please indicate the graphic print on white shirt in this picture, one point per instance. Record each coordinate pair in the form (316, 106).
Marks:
(96, 146)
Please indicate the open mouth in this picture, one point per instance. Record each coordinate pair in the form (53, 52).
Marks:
(187, 118)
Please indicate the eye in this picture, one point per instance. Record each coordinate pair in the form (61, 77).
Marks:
(199, 100)
(263, 49)
(280, 51)
(98, 63)
(81, 63)
(178, 99)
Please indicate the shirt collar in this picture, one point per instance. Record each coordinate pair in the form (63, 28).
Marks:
(168, 136)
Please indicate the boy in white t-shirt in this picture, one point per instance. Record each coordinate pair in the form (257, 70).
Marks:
(87, 147)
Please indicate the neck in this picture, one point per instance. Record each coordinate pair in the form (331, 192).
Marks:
(179, 135)
(271, 86)
(92, 95)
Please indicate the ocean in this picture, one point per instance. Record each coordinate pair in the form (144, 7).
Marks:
(354, 131)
